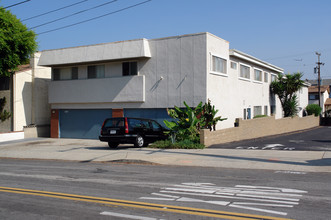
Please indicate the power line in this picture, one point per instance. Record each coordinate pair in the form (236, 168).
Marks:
(296, 55)
(76, 13)
(16, 4)
(104, 15)
(68, 6)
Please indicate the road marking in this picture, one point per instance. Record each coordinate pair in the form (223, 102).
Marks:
(296, 141)
(290, 172)
(267, 147)
(252, 196)
(272, 146)
(141, 205)
(127, 216)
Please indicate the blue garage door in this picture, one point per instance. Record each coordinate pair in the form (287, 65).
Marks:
(158, 114)
(82, 123)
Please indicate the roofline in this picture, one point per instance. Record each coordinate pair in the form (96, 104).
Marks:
(162, 38)
(189, 35)
(89, 45)
(244, 56)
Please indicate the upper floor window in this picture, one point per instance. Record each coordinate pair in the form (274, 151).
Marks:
(273, 77)
(74, 72)
(129, 68)
(244, 71)
(313, 96)
(233, 65)
(218, 64)
(257, 75)
(64, 73)
(97, 71)
(266, 77)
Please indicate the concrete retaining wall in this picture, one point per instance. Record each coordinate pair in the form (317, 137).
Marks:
(11, 136)
(36, 131)
(256, 128)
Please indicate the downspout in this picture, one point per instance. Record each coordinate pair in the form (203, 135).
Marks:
(13, 115)
(32, 63)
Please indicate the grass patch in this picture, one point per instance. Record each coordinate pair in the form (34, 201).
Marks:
(185, 144)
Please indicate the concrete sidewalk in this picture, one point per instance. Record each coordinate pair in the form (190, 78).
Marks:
(96, 151)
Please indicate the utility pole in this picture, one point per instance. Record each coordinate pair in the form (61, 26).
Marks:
(318, 68)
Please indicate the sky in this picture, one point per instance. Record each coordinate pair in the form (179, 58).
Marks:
(285, 33)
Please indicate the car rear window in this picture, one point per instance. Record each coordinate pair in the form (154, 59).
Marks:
(114, 123)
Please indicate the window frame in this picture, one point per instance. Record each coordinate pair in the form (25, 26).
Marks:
(261, 71)
(236, 65)
(225, 65)
(264, 75)
(58, 71)
(95, 67)
(273, 75)
(130, 68)
(249, 68)
(259, 107)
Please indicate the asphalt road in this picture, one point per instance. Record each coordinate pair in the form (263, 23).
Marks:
(316, 139)
(31, 189)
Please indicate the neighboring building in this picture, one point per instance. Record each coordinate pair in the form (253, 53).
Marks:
(324, 96)
(6, 91)
(26, 92)
(142, 78)
(324, 82)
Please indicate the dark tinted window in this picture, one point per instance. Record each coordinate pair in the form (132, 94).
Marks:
(56, 74)
(91, 72)
(114, 122)
(74, 73)
(137, 123)
(129, 68)
(156, 126)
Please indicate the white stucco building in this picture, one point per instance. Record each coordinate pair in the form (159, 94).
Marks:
(27, 96)
(142, 78)
(324, 96)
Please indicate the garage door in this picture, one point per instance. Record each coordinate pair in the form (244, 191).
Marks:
(82, 123)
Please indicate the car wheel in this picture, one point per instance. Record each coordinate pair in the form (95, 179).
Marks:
(112, 144)
(140, 142)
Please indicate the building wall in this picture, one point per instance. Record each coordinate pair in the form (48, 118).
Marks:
(221, 88)
(230, 93)
(302, 99)
(6, 125)
(324, 97)
(40, 81)
(175, 72)
(31, 95)
(22, 99)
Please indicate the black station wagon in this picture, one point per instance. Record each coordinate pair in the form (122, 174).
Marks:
(137, 131)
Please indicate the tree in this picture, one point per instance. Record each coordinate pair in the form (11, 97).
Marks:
(285, 87)
(189, 121)
(17, 43)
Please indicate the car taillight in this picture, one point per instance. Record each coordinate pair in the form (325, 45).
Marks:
(103, 124)
(126, 126)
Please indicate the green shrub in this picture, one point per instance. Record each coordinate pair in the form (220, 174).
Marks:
(260, 116)
(184, 144)
(313, 109)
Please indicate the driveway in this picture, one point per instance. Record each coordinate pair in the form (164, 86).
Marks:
(316, 139)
